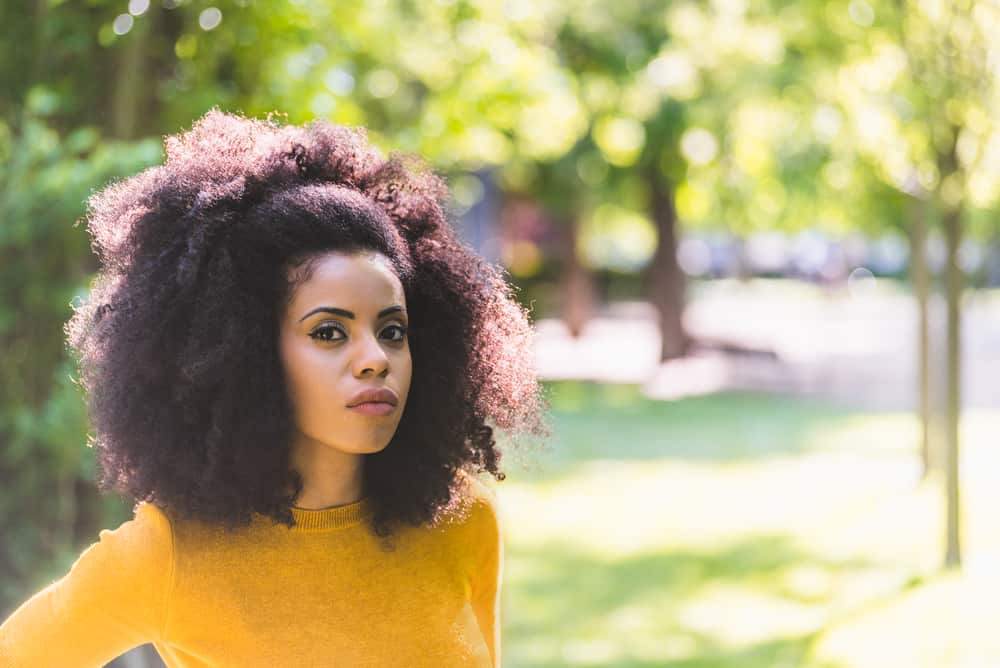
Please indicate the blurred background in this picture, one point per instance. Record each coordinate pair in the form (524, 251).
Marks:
(760, 242)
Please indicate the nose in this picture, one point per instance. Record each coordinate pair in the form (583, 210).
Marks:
(370, 358)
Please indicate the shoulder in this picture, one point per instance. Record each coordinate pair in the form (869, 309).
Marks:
(478, 493)
(483, 514)
(475, 486)
(150, 522)
(143, 544)
(473, 514)
(130, 566)
(146, 540)
(151, 518)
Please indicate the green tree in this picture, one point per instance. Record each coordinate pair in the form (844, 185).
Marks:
(921, 95)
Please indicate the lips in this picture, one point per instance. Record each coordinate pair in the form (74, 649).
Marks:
(382, 395)
(374, 408)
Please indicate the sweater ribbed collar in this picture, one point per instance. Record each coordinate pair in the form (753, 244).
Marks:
(337, 517)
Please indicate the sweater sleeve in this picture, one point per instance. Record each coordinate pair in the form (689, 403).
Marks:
(487, 576)
(113, 598)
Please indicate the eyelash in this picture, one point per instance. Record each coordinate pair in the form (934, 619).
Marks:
(327, 328)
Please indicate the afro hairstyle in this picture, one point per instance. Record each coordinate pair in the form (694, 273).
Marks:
(177, 339)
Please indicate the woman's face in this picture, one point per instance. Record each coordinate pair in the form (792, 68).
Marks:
(345, 332)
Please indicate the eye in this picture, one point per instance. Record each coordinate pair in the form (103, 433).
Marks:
(401, 330)
(326, 332)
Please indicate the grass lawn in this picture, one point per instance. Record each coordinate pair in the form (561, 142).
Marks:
(743, 530)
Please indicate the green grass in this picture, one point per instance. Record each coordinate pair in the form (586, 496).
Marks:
(731, 530)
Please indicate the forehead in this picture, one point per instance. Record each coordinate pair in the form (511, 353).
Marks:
(355, 277)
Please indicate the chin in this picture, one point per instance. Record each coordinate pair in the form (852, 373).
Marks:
(372, 448)
(355, 447)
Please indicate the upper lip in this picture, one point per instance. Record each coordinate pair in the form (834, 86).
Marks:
(382, 394)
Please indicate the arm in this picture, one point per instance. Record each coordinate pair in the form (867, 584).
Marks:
(487, 578)
(113, 598)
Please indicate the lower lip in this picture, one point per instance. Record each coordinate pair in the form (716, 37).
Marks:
(374, 408)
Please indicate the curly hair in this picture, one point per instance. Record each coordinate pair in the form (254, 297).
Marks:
(177, 340)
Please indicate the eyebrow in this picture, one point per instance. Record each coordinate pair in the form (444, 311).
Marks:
(349, 314)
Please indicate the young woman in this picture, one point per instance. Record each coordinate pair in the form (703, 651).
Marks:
(295, 368)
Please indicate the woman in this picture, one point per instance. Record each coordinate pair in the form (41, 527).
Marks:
(294, 367)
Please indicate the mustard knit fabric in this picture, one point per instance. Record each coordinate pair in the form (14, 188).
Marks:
(322, 593)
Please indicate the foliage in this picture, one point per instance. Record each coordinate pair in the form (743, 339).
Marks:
(47, 497)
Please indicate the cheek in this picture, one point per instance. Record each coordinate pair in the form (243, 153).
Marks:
(405, 366)
(304, 374)
(401, 360)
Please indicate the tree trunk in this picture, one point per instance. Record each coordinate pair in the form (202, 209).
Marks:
(921, 289)
(951, 220)
(130, 85)
(577, 284)
(664, 281)
(953, 281)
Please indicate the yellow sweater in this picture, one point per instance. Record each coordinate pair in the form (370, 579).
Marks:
(322, 593)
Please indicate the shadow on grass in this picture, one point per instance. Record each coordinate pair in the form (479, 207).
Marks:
(779, 653)
(561, 593)
(791, 652)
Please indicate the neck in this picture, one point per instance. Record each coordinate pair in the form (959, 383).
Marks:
(330, 477)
